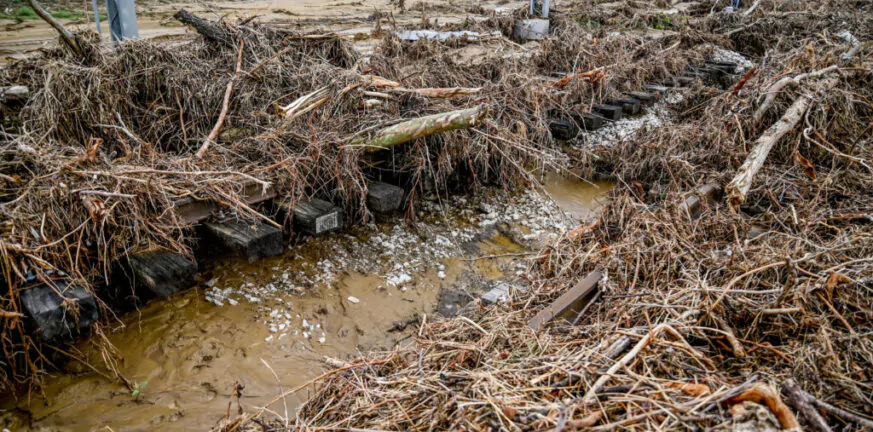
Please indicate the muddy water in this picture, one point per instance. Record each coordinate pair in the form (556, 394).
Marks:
(578, 198)
(283, 315)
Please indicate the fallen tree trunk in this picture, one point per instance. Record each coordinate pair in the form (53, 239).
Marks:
(421, 127)
(740, 185)
(209, 31)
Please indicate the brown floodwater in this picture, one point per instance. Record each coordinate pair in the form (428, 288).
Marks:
(578, 198)
(188, 353)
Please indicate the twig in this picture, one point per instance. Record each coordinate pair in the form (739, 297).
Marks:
(224, 105)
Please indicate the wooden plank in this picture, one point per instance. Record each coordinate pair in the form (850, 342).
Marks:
(693, 202)
(161, 272)
(564, 303)
(609, 112)
(193, 210)
(316, 216)
(252, 240)
(384, 197)
(47, 310)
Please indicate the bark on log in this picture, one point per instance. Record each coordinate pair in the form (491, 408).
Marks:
(14, 93)
(798, 398)
(421, 127)
(67, 37)
(784, 82)
(740, 185)
(209, 31)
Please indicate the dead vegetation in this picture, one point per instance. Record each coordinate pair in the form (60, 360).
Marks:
(702, 316)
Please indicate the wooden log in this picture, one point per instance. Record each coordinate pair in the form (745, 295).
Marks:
(209, 31)
(440, 93)
(193, 210)
(583, 290)
(317, 217)
(630, 106)
(68, 37)
(739, 187)
(384, 197)
(609, 112)
(645, 98)
(16, 93)
(659, 89)
(686, 80)
(563, 129)
(251, 240)
(774, 90)
(161, 272)
(693, 202)
(53, 319)
(421, 127)
(797, 398)
(590, 122)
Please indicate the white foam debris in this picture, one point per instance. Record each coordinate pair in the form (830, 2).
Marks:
(722, 55)
(399, 279)
(354, 299)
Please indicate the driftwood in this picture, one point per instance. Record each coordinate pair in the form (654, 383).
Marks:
(224, 106)
(792, 387)
(742, 182)
(66, 36)
(627, 358)
(209, 31)
(305, 104)
(784, 82)
(14, 93)
(421, 127)
(797, 398)
(440, 93)
(765, 395)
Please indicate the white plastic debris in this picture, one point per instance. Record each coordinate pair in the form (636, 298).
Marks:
(354, 299)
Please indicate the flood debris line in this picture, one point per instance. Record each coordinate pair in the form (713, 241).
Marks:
(710, 313)
(122, 151)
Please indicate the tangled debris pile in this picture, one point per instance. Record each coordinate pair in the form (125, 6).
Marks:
(706, 306)
(97, 157)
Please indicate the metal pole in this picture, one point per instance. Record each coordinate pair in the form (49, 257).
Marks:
(96, 17)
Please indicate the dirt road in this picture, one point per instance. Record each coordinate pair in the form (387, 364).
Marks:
(349, 17)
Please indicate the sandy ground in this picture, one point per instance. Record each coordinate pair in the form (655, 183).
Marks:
(346, 16)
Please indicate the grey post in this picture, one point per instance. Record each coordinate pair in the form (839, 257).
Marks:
(539, 8)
